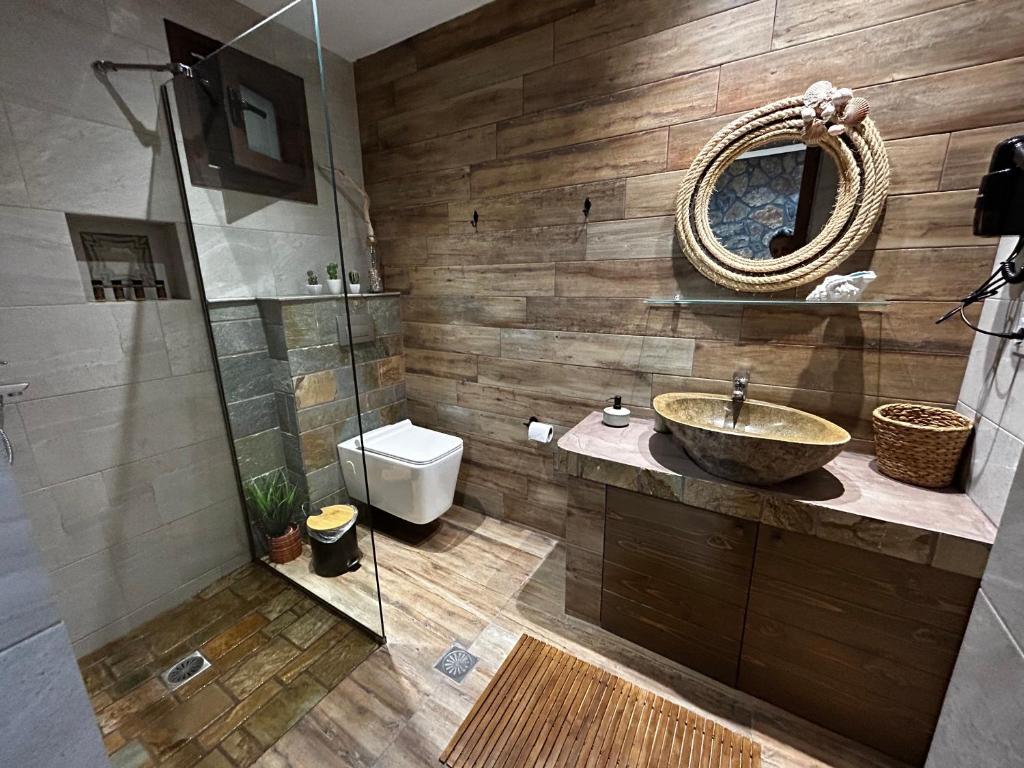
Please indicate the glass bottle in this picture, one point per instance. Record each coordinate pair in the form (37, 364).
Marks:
(373, 277)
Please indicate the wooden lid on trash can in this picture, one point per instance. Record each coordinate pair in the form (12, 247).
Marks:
(331, 517)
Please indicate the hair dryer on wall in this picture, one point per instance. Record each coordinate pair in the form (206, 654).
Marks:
(999, 212)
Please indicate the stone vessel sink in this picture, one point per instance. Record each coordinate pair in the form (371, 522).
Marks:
(768, 444)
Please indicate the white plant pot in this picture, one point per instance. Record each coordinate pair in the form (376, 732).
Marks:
(354, 288)
(314, 290)
(334, 286)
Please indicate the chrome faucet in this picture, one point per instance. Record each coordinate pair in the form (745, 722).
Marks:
(740, 380)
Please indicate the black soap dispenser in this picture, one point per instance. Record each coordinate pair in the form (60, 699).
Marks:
(615, 415)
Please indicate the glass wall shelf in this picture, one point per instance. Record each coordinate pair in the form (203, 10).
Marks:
(667, 301)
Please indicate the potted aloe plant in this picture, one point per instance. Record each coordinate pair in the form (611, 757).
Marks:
(353, 282)
(273, 503)
(313, 287)
(333, 283)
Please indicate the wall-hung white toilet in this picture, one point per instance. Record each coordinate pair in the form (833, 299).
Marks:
(412, 470)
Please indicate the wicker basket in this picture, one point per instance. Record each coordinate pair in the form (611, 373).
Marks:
(919, 444)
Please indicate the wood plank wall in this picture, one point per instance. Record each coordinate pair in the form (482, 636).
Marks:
(521, 109)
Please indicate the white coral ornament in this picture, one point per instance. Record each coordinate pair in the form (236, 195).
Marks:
(842, 287)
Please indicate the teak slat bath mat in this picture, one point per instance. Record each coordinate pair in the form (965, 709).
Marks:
(545, 707)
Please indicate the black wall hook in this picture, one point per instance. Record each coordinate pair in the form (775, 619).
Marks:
(586, 208)
(475, 220)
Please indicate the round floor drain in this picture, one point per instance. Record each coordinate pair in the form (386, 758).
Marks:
(184, 670)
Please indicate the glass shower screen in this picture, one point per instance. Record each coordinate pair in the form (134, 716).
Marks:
(261, 124)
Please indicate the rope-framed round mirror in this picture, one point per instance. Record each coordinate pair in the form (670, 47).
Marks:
(785, 193)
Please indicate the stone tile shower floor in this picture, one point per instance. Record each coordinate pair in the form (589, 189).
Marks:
(275, 653)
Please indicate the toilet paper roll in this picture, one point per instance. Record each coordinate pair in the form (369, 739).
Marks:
(540, 432)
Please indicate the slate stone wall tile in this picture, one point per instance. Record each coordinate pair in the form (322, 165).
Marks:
(318, 448)
(246, 375)
(277, 346)
(257, 414)
(378, 349)
(281, 376)
(386, 315)
(286, 413)
(315, 389)
(233, 337)
(270, 311)
(327, 314)
(345, 379)
(292, 453)
(299, 324)
(259, 453)
(319, 358)
(327, 414)
(234, 310)
(324, 481)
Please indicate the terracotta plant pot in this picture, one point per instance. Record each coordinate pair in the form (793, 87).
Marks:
(284, 549)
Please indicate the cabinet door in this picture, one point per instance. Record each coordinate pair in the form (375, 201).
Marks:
(858, 642)
(675, 580)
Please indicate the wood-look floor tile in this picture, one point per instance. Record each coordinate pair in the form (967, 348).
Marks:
(220, 644)
(312, 654)
(169, 733)
(260, 667)
(348, 653)
(242, 747)
(114, 715)
(238, 714)
(309, 627)
(284, 710)
(279, 603)
(280, 624)
(215, 759)
(96, 677)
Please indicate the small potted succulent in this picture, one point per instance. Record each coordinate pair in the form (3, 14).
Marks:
(353, 282)
(333, 283)
(273, 503)
(313, 287)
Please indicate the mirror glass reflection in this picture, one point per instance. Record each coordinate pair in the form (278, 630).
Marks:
(772, 200)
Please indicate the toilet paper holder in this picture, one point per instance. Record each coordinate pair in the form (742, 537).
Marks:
(532, 419)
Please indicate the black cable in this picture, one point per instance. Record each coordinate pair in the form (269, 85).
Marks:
(1007, 273)
(1017, 335)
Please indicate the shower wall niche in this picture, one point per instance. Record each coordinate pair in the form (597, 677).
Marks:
(129, 259)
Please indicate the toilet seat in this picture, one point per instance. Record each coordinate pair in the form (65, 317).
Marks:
(407, 443)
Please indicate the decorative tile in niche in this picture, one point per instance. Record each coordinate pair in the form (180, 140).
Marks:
(129, 259)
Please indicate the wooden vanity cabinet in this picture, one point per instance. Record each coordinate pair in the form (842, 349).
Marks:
(861, 643)
(676, 580)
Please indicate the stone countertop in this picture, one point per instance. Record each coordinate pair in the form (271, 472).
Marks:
(848, 501)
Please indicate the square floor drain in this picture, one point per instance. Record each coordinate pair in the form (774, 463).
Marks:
(184, 670)
(456, 663)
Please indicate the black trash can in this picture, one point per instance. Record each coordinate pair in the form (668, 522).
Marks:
(333, 541)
